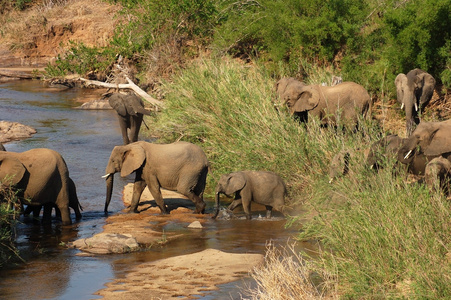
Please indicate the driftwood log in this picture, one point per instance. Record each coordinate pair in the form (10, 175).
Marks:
(130, 85)
(18, 74)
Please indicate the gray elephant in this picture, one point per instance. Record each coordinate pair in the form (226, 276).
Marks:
(287, 88)
(414, 91)
(345, 101)
(41, 176)
(130, 110)
(47, 216)
(383, 150)
(339, 165)
(179, 166)
(437, 174)
(262, 187)
(429, 140)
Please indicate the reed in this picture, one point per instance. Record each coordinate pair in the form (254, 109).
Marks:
(380, 235)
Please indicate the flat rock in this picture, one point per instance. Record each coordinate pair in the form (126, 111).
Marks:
(107, 243)
(13, 131)
(96, 104)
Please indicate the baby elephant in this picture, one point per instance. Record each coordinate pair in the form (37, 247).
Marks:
(262, 187)
(437, 174)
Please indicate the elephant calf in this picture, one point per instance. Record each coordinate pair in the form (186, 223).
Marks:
(262, 187)
(384, 149)
(437, 174)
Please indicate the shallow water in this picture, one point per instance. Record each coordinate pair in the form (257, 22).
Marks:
(85, 138)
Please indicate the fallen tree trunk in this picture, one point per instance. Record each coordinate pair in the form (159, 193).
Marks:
(129, 85)
(18, 74)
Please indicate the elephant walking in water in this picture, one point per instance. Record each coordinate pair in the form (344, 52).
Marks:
(262, 187)
(414, 91)
(41, 176)
(179, 166)
(130, 110)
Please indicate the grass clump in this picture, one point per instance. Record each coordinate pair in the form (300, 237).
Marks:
(380, 235)
(9, 212)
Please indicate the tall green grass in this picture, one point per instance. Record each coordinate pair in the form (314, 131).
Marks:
(380, 236)
(9, 212)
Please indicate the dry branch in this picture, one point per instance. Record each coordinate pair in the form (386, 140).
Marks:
(129, 85)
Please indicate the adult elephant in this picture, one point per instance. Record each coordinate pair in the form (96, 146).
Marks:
(130, 110)
(47, 216)
(179, 166)
(427, 141)
(345, 102)
(262, 187)
(40, 176)
(414, 91)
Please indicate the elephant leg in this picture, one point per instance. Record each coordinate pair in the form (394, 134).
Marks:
(123, 126)
(135, 125)
(65, 213)
(246, 197)
(47, 216)
(268, 211)
(197, 200)
(138, 189)
(235, 203)
(156, 193)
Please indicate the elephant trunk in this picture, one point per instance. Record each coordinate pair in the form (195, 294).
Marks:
(109, 191)
(217, 205)
(411, 111)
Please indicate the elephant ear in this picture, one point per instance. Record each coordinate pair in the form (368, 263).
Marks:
(308, 99)
(136, 106)
(133, 158)
(12, 170)
(438, 142)
(428, 85)
(235, 182)
(400, 82)
(118, 104)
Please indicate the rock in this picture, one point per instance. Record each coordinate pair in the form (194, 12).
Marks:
(107, 243)
(195, 224)
(13, 131)
(96, 104)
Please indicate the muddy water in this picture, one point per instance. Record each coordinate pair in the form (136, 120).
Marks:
(85, 139)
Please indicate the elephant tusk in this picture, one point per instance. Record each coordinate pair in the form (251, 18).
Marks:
(416, 106)
(107, 175)
(402, 105)
(408, 154)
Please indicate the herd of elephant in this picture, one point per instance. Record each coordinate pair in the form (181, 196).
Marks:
(426, 150)
(41, 176)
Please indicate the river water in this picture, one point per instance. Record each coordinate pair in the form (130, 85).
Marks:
(85, 138)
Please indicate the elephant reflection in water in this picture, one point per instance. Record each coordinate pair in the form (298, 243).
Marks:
(130, 111)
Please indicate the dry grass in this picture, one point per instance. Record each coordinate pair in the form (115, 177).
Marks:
(287, 275)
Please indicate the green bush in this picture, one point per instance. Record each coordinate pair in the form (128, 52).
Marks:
(9, 209)
(156, 21)
(81, 59)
